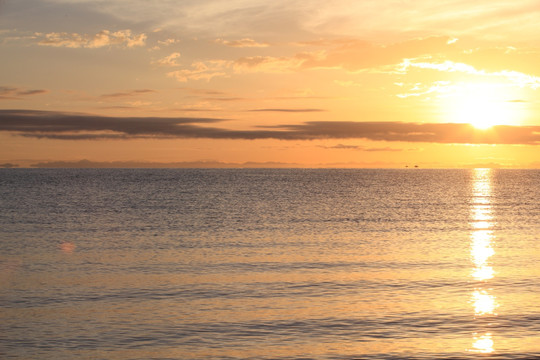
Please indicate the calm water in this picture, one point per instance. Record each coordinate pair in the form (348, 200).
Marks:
(269, 264)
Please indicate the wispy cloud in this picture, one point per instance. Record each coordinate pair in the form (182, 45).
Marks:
(270, 64)
(419, 89)
(103, 38)
(242, 43)
(515, 77)
(168, 42)
(345, 54)
(59, 125)
(500, 19)
(164, 43)
(128, 93)
(148, 164)
(170, 60)
(15, 93)
(225, 99)
(383, 149)
(201, 70)
(205, 92)
(287, 110)
(8, 165)
(209, 69)
(356, 55)
(342, 147)
(194, 109)
(360, 148)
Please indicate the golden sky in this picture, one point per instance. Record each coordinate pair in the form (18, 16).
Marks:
(282, 83)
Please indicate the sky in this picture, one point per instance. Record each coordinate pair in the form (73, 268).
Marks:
(252, 83)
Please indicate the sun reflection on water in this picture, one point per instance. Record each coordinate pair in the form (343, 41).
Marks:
(481, 251)
(483, 273)
(482, 237)
(484, 303)
(483, 344)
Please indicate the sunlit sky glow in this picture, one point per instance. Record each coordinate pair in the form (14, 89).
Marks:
(283, 83)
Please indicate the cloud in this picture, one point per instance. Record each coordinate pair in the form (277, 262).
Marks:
(8, 165)
(128, 93)
(194, 109)
(501, 20)
(515, 77)
(419, 89)
(287, 110)
(210, 95)
(355, 55)
(383, 149)
(270, 64)
(60, 125)
(209, 69)
(205, 164)
(342, 147)
(347, 54)
(169, 60)
(103, 38)
(206, 70)
(14, 93)
(149, 164)
(242, 43)
(359, 148)
(73, 126)
(32, 92)
(224, 99)
(168, 42)
(201, 70)
(203, 91)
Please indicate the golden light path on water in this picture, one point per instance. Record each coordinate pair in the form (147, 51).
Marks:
(484, 303)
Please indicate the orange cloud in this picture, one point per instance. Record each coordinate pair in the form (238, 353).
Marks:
(168, 42)
(101, 39)
(269, 64)
(169, 60)
(201, 70)
(347, 54)
(242, 43)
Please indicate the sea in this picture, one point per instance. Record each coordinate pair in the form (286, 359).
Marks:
(269, 264)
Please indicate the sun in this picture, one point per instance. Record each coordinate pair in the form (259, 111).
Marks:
(482, 112)
(483, 105)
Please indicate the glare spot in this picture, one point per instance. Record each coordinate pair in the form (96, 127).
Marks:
(483, 273)
(484, 303)
(483, 344)
(481, 249)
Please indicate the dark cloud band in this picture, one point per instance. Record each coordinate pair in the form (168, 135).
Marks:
(59, 125)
